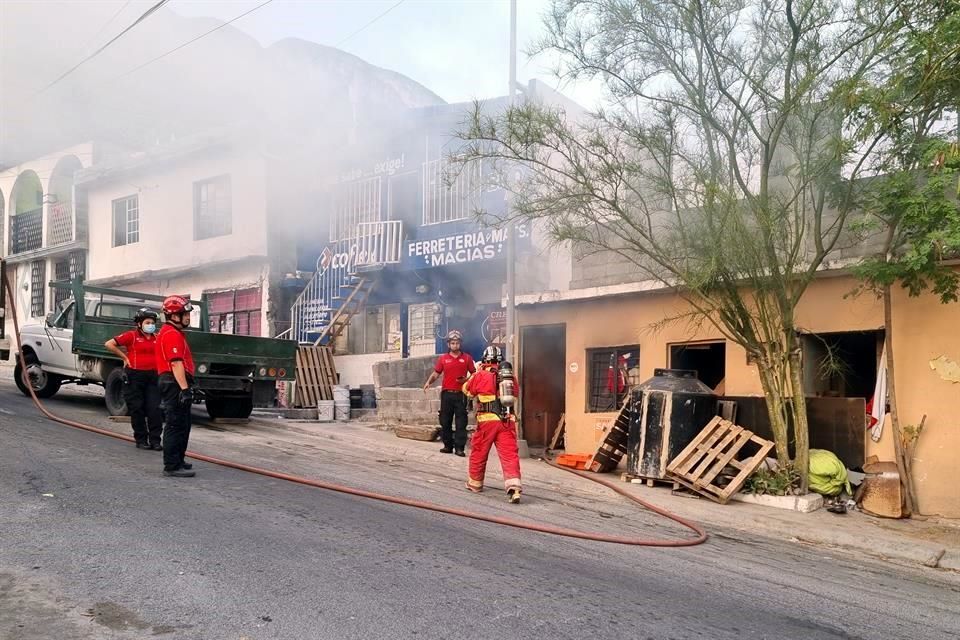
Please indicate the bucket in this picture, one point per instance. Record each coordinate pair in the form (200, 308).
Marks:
(368, 397)
(341, 394)
(342, 412)
(325, 410)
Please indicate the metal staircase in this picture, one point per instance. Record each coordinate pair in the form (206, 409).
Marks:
(345, 277)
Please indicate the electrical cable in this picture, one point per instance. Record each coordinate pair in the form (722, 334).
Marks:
(146, 14)
(701, 535)
(337, 45)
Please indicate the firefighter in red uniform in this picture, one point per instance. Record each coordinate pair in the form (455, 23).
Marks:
(494, 390)
(175, 366)
(140, 390)
(455, 366)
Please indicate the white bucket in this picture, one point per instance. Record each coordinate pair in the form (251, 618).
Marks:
(341, 395)
(325, 410)
(342, 412)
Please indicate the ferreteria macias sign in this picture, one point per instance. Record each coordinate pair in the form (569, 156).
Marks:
(476, 245)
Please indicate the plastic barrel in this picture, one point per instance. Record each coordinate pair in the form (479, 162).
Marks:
(325, 410)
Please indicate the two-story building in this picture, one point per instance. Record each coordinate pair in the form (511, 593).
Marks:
(43, 227)
(192, 218)
(401, 235)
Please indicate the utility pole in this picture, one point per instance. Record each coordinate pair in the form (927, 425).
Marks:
(512, 353)
(511, 227)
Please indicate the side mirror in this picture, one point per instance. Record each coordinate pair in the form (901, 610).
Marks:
(50, 317)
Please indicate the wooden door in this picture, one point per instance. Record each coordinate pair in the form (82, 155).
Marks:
(542, 381)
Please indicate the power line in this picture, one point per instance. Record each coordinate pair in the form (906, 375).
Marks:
(146, 14)
(369, 23)
(110, 21)
(189, 42)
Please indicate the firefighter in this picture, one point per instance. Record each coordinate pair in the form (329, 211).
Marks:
(494, 390)
(175, 366)
(140, 390)
(455, 366)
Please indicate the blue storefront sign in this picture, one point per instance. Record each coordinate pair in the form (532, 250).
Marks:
(462, 247)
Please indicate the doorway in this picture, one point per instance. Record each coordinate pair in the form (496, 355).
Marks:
(708, 359)
(542, 381)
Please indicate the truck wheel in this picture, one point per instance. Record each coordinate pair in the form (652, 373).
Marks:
(113, 393)
(44, 384)
(237, 408)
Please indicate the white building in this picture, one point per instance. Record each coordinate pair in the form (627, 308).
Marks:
(43, 228)
(188, 219)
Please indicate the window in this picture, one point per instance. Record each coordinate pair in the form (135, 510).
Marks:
(376, 329)
(126, 221)
(38, 274)
(61, 273)
(612, 371)
(708, 359)
(236, 312)
(212, 208)
(450, 193)
(355, 202)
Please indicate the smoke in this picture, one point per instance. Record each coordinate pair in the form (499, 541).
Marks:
(290, 92)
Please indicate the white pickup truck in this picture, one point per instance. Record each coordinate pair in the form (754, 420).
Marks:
(51, 361)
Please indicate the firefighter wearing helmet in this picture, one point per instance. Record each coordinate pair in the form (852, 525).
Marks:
(494, 389)
(137, 349)
(455, 366)
(175, 366)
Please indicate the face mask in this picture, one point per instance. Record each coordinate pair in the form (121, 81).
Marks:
(149, 328)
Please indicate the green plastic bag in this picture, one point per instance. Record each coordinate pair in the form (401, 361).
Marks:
(828, 476)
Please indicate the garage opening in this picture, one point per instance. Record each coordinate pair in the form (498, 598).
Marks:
(708, 359)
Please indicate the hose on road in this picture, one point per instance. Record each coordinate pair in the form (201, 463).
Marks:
(701, 535)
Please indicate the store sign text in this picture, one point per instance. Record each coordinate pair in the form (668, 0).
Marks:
(471, 246)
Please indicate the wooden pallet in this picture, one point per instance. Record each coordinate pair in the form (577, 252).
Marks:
(557, 440)
(650, 482)
(316, 375)
(613, 446)
(721, 443)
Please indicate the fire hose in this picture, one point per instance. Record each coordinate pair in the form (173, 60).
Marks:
(701, 535)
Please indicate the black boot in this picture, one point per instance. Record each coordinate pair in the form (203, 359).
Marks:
(446, 449)
(179, 473)
(156, 446)
(143, 445)
(460, 453)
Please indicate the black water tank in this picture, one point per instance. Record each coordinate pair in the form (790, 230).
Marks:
(667, 413)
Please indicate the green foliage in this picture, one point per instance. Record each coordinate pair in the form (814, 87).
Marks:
(779, 482)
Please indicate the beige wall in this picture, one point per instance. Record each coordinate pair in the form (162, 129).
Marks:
(166, 216)
(923, 330)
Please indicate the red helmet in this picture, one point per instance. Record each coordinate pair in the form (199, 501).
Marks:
(176, 304)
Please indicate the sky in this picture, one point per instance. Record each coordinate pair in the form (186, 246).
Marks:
(457, 48)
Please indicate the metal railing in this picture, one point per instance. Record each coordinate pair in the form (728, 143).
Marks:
(375, 244)
(26, 231)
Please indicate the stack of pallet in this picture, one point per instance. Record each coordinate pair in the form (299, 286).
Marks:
(316, 376)
(613, 444)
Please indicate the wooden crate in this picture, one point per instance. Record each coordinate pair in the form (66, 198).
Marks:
(613, 445)
(719, 445)
(316, 375)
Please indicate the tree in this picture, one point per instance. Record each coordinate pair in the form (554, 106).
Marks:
(721, 168)
(914, 201)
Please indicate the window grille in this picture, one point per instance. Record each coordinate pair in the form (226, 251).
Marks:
(450, 193)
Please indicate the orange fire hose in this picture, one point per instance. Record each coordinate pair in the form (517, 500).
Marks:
(701, 535)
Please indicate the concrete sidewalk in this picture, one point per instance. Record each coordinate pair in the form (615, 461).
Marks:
(931, 542)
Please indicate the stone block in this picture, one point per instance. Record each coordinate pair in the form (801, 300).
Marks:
(804, 504)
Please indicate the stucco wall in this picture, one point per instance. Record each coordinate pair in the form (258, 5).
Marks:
(923, 330)
(165, 198)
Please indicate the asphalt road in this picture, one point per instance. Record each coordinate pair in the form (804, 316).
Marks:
(95, 543)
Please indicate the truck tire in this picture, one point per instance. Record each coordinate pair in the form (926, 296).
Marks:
(236, 408)
(44, 384)
(113, 393)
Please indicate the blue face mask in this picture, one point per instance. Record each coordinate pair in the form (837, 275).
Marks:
(149, 328)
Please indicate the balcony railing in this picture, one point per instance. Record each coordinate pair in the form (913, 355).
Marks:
(61, 224)
(26, 231)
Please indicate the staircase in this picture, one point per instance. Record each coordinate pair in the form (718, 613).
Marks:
(345, 278)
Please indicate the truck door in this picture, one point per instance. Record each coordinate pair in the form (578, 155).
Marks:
(61, 356)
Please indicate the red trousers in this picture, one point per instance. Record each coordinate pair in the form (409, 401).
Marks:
(503, 436)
